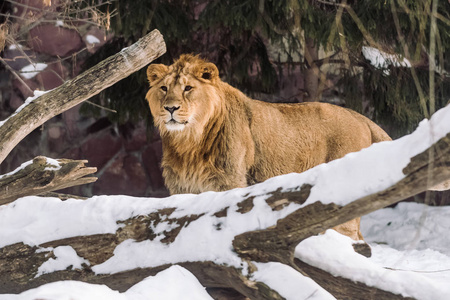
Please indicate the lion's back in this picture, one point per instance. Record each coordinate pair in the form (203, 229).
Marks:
(296, 137)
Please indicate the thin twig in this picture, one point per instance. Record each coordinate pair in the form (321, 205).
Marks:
(101, 107)
(16, 75)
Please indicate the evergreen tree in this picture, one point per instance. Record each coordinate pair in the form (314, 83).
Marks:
(236, 35)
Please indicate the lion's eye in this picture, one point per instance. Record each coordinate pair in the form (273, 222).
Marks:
(188, 88)
(164, 88)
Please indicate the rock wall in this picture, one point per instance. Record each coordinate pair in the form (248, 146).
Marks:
(52, 53)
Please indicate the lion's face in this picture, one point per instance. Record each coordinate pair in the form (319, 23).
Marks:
(180, 95)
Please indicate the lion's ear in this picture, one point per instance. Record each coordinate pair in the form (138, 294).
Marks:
(207, 71)
(156, 72)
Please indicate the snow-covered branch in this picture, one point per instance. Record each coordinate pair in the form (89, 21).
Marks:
(43, 175)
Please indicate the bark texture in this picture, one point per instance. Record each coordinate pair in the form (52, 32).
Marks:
(79, 89)
(19, 263)
(41, 176)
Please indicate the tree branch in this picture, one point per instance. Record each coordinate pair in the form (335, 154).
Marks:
(79, 89)
(41, 176)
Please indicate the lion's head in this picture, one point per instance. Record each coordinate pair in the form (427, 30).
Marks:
(182, 96)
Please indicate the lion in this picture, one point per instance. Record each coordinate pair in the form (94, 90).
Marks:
(215, 138)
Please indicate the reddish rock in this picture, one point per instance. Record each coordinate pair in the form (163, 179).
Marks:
(136, 176)
(16, 58)
(56, 139)
(98, 150)
(74, 153)
(15, 101)
(25, 87)
(95, 38)
(72, 121)
(53, 76)
(56, 41)
(124, 176)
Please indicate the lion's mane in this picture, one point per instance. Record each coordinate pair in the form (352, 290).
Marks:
(215, 138)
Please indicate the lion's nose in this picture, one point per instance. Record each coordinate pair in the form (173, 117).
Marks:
(171, 109)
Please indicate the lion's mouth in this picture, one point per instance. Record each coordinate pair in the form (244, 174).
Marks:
(173, 122)
(174, 125)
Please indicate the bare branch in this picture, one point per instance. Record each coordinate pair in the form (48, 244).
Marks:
(79, 89)
(41, 176)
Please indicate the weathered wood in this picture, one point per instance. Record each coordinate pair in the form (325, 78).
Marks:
(19, 263)
(343, 288)
(79, 89)
(40, 176)
(426, 169)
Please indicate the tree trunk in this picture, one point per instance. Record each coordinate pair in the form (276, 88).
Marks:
(79, 89)
(312, 72)
(19, 262)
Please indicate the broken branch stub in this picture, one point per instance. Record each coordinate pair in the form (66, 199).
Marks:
(41, 176)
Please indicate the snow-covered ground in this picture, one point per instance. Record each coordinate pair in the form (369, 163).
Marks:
(410, 255)
(410, 248)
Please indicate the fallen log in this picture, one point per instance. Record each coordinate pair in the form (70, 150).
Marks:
(240, 230)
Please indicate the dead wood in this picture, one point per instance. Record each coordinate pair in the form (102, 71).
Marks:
(41, 176)
(79, 89)
(19, 263)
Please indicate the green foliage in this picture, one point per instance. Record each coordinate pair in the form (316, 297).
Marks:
(235, 34)
(127, 96)
(133, 20)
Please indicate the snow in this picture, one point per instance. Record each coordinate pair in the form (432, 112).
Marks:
(66, 257)
(92, 39)
(36, 94)
(409, 226)
(34, 221)
(22, 166)
(53, 164)
(162, 286)
(15, 47)
(59, 23)
(173, 283)
(345, 262)
(32, 70)
(289, 283)
(383, 60)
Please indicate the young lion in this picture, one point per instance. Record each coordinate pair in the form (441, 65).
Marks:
(215, 138)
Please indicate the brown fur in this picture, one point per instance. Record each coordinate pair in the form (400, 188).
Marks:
(222, 139)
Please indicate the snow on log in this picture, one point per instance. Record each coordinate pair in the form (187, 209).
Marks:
(79, 89)
(228, 239)
(43, 175)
